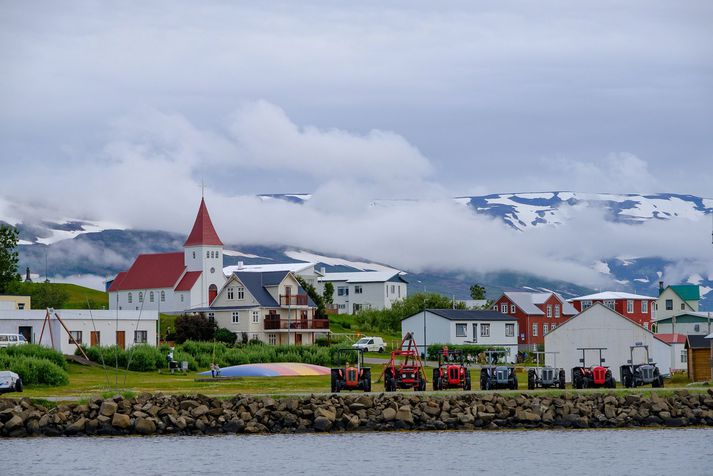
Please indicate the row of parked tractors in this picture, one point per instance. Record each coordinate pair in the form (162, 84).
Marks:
(406, 371)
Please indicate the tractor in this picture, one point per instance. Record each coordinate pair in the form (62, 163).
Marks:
(497, 376)
(409, 373)
(352, 376)
(636, 375)
(596, 376)
(545, 376)
(452, 373)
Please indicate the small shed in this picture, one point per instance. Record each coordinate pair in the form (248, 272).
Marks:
(699, 358)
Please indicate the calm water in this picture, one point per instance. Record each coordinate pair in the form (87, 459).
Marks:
(597, 452)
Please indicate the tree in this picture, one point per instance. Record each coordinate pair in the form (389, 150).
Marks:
(225, 336)
(477, 292)
(314, 296)
(194, 327)
(328, 293)
(8, 256)
(46, 295)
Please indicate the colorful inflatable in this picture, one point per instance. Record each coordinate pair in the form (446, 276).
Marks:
(282, 369)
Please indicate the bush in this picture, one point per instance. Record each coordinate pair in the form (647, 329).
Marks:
(34, 370)
(194, 327)
(144, 358)
(225, 336)
(470, 352)
(38, 351)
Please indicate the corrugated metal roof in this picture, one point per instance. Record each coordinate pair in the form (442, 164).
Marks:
(466, 315)
(523, 300)
(362, 276)
(612, 295)
(687, 292)
(672, 338)
(151, 271)
(188, 280)
(263, 268)
(203, 232)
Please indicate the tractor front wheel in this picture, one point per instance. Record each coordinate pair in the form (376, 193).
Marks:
(562, 379)
(436, 379)
(530, 379)
(467, 381)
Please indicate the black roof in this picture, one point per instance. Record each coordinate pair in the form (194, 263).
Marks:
(256, 283)
(695, 341)
(466, 315)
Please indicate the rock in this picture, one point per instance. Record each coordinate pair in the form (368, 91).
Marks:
(234, 426)
(121, 421)
(388, 414)
(326, 413)
(144, 426)
(76, 427)
(404, 414)
(188, 404)
(14, 423)
(322, 424)
(199, 411)
(108, 408)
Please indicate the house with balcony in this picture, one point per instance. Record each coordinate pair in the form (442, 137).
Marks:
(635, 307)
(359, 290)
(268, 306)
(537, 314)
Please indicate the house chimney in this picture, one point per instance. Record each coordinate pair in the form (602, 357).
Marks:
(240, 265)
(660, 287)
(323, 270)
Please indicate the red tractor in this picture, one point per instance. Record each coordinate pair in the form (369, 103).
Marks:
(452, 373)
(409, 373)
(596, 376)
(352, 376)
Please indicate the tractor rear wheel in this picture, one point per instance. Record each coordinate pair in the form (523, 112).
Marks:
(334, 382)
(562, 379)
(530, 379)
(436, 379)
(468, 385)
(421, 384)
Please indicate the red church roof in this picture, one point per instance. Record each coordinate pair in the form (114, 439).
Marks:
(203, 232)
(159, 270)
(188, 280)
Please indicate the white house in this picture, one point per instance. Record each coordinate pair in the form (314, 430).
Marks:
(688, 323)
(365, 289)
(679, 354)
(271, 307)
(456, 326)
(174, 282)
(305, 270)
(600, 326)
(122, 328)
(676, 299)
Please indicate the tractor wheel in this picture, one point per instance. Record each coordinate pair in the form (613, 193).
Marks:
(389, 383)
(381, 350)
(513, 384)
(334, 383)
(561, 379)
(436, 379)
(660, 381)
(483, 380)
(468, 385)
(530, 379)
(18, 385)
(421, 384)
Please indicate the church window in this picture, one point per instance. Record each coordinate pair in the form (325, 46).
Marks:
(163, 296)
(207, 254)
(141, 296)
(194, 255)
(151, 296)
(131, 298)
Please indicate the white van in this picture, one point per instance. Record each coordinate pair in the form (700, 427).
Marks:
(11, 339)
(370, 344)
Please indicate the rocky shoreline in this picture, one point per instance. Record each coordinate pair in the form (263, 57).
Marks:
(200, 415)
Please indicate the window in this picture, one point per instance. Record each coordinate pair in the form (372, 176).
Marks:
(644, 307)
(207, 254)
(509, 330)
(629, 306)
(399, 288)
(241, 293)
(163, 296)
(553, 327)
(684, 356)
(558, 312)
(256, 317)
(131, 298)
(545, 329)
(141, 337)
(393, 288)
(272, 339)
(21, 305)
(485, 330)
(342, 306)
(357, 289)
(696, 328)
(194, 255)
(211, 316)
(141, 296)
(610, 303)
(217, 254)
(549, 310)
(586, 304)
(357, 307)
(475, 332)
(236, 317)
(342, 291)
(181, 297)
(231, 293)
(504, 308)
(151, 296)
(77, 336)
(461, 330)
(534, 330)
(669, 304)
(512, 309)
(683, 306)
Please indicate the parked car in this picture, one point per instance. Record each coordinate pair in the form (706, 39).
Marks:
(370, 344)
(11, 339)
(10, 382)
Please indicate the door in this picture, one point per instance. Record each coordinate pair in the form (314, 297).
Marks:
(26, 332)
(212, 293)
(94, 338)
(298, 339)
(121, 339)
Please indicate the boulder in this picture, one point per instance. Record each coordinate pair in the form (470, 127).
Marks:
(145, 426)
(404, 414)
(388, 414)
(322, 424)
(326, 413)
(108, 408)
(121, 421)
(76, 427)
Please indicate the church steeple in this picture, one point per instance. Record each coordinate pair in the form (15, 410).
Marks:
(203, 232)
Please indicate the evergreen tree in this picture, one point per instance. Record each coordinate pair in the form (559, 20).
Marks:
(8, 256)
(328, 293)
(477, 292)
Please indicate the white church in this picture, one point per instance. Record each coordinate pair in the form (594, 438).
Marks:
(174, 282)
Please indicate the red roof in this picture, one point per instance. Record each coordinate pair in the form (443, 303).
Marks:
(672, 338)
(189, 279)
(117, 281)
(160, 270)
(203, 232)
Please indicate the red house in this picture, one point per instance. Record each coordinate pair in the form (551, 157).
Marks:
(536, 313)
(632, 306)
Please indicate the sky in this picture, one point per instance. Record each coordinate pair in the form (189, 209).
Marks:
(120, 111)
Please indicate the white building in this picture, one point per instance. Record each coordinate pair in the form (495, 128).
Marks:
(174, 282)
(599, 326)
(122, 328)
(271, 307)
(679, 354)
(304, 270)
(676, 299)
(688, 323)
(365, 289)
(456, 326)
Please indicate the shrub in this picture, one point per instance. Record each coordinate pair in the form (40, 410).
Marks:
(144, 358)
(225, 336)
(34, 370)
(38, 351)
(195, 327)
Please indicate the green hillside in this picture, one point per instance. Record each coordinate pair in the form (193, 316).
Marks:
(78, 296)
(60, 295)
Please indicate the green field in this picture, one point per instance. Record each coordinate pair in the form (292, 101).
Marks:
(78, 296)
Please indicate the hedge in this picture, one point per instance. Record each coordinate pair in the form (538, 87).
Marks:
(470, 352)
(34, 370)
(37, 351)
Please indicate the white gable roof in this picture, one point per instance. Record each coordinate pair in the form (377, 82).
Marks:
(612, 295)
(361, 277)
(527, 302)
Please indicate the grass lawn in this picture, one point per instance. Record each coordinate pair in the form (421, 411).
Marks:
(78, 296)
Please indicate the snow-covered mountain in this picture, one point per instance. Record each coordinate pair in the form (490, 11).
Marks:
(113, 247)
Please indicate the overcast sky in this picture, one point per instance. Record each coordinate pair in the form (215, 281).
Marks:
(118, 110)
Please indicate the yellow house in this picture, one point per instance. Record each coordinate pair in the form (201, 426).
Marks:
(8, 302)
